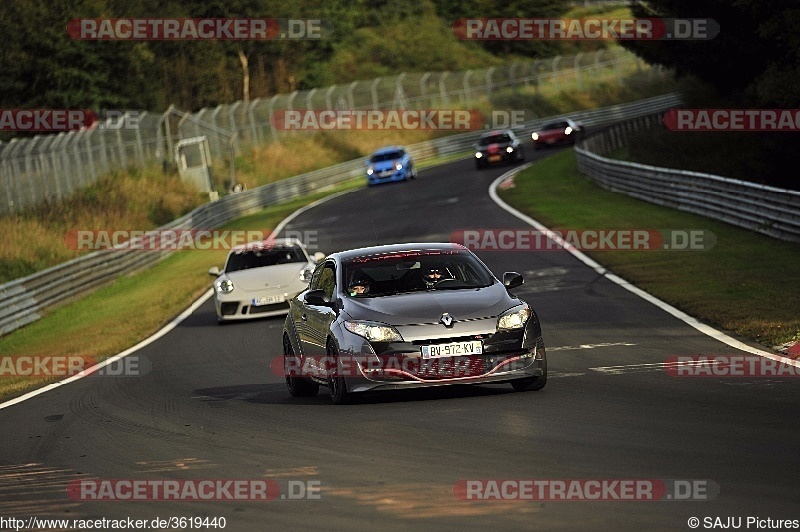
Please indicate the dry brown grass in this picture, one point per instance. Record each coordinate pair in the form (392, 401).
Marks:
(36, 238)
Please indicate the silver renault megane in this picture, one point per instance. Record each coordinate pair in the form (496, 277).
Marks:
(408, 316)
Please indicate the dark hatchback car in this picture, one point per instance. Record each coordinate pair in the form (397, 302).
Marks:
(497, 147)
(407, 316)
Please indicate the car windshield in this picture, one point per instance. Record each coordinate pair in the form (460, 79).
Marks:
(414, 271)
(257, 258)
(555, 125)
(388, 156)
(495, 139)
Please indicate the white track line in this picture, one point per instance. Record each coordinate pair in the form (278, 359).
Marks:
(689, 320)
(164, 330)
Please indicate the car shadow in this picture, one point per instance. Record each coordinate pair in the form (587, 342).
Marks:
(276, 394)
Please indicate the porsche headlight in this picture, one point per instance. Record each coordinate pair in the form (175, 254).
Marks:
(398, 166)
(516, 318)
(535, 136)
(478, 155)
(510, 149)
(224, 286)
(370, 170)
(568, 130)
(374, 332)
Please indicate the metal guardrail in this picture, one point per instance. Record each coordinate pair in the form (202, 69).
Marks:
(763, 209)
(24, 300)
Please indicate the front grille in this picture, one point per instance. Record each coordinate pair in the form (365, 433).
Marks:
(436, 341)
(269, 308)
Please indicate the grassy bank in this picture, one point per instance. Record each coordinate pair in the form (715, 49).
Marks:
(745, 283)
(133, 307)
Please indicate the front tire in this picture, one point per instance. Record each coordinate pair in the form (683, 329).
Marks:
(297, 386)
(337, 385)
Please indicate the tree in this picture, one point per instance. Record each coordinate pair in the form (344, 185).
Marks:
(755, 59)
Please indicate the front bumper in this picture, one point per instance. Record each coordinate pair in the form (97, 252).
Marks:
(505, 357)
(387, 176)
(500, 157)
(243, 305)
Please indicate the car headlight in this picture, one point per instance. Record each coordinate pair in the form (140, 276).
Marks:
(370, 170)
(568, 130)
(510, 149)
(514, 319)
(374, 332)
(478, 155)
(224, 286)
(535, 136)
(398, 166)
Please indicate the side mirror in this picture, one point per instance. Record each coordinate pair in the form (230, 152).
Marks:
(213, 271)
(317, 298)
(512, 280)
(318, 257)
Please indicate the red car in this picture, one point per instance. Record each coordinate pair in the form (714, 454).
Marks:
(565, 131)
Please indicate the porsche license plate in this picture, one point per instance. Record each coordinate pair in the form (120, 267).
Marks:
(268, 300)
(495, 158)
(453, 349)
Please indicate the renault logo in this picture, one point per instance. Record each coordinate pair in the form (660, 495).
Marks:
(446, 319)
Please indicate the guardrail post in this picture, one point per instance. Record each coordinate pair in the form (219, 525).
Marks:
(443, 89)
(554, 66)
(270, 111)
(374, 91)
(309, 95)
(328, 94)
(350, 99)
(423, 88)
(255, 133)
(467, 90)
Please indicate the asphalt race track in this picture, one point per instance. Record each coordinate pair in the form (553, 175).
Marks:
(209, 407)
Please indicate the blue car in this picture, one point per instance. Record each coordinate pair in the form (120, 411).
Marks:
(391, 163)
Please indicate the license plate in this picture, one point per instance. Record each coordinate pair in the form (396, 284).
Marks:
(268, 300)
(453, 349)
(495, 158)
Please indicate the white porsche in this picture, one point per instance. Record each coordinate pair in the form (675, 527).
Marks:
(259, 278)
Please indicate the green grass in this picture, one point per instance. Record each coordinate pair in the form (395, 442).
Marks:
(746, 283)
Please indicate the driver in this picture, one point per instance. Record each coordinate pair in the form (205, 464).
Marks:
(435, 274)
(359, 288)
(359, 285)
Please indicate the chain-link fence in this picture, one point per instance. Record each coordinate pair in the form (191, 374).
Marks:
(49, 167)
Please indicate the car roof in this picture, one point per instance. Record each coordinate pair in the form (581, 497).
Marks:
(267, 243)
(387, 149)
(497, 132)
(396, 248)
